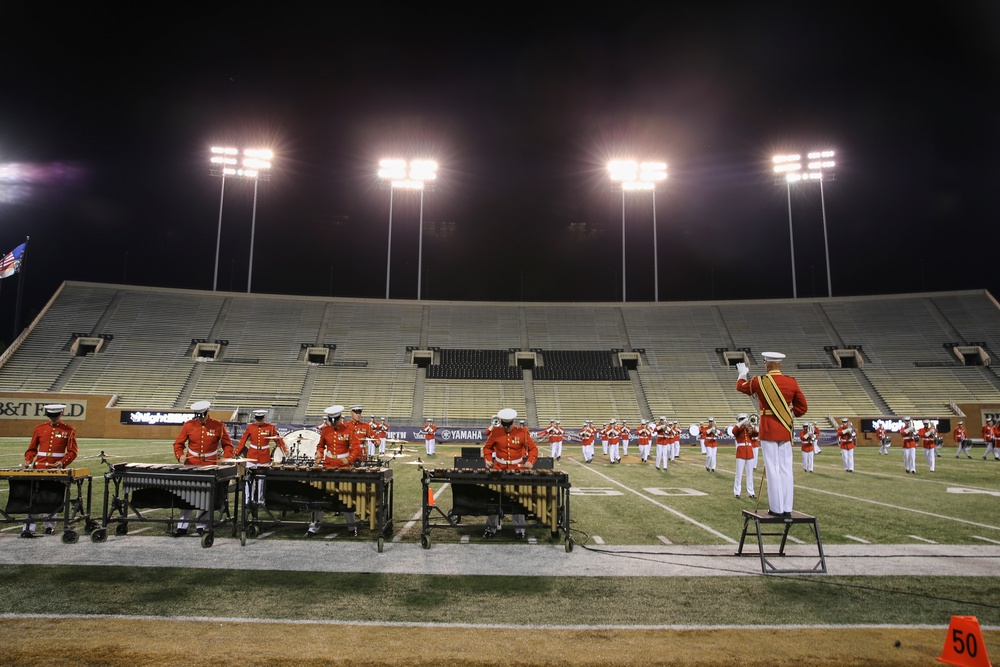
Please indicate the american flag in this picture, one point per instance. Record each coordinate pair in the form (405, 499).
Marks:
(11, 262)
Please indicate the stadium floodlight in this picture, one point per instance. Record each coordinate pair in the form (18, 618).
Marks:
(789, 169)
(399, 174)
(634, 176)
(227, 163)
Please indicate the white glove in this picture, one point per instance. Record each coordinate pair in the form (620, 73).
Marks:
(743, 370)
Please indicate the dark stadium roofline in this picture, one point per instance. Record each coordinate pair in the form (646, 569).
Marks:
(566, 304)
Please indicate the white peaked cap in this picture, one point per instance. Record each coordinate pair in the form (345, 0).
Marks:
(55, 407)
(201, 406)
(334, 410)
(772, 356)
(259, 413)
(507, 415)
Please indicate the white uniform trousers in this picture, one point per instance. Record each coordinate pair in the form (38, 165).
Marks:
(929, 455)
(429, 447)
(661, 456)
(710, 453)
(780, 479)
(756, 456)
(744, 467)
(910, 459)
(613, 453)
(644, 452)
(702, 443)
(557, 449)
(807, 461)
(991, 448)
(625, 442)
(604, 447)
(185, 516)
(964, 446)
(381, 445)
(371, 448)
(588, 453)
(847, 456)
(677, 450)
(884, 449)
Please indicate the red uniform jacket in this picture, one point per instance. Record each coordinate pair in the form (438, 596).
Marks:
(929, 441)
(52, 446)
(808, 440)
(845, 435)
(743, 435)
(429, 431)
(203, 442)
(511, 449)
(338, 447)
(988, 433)
(257, 440)
(770, 427)
(960, 434)
(909, 439)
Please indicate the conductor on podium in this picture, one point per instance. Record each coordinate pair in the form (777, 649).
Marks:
(780, 400)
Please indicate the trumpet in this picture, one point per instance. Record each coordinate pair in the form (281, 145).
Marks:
(754, 420)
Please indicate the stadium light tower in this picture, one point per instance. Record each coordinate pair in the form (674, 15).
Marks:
(636, 176)
(398, 174)
(255, 163)
(788, 169)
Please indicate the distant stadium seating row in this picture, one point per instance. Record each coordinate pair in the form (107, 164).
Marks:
(906, 347)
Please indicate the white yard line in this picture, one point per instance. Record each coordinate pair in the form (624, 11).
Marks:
(663, 539)
(899, 507)
(985, 539)
(597, 539)
(857, 539)
(922, 539)
(660, 505)
(416, 517)
(471, 626)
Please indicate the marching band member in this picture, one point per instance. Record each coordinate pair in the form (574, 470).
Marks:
(743, 433)
(587, 435)
(555, 435)
(702, 429)
(883, 439)
(603, 434)
(961, 435)
(626, 436)
(52, 445)
(928, 439)
(643, 434)
(339, 446)
(375, 430)
(363, 431)
(846, 436)
(661, 432)
(383, 434)
(429, 430)
(711, 444)
(614, 439)
(780, 400)
(989, 437)
(675, 440)
(909, 433)
(808, 439)
(199, 444)
(509, 447)
(256, 446)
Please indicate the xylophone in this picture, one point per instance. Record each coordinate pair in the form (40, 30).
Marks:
(133, 487)
(290, 489)
(541, 495)
(48, 492)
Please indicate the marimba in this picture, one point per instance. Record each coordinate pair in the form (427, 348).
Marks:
(541, 495)
(366, 491)
(132, 488)
(46, 492)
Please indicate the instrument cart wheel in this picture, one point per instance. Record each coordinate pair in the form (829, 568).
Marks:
(381, 544)
(91, 526)
(253, 530)
(569, 544)
(70, 537)
(207, 540)
(425, 541)
(121, 529)
(99, 535)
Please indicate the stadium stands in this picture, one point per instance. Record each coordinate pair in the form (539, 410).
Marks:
(163, 348)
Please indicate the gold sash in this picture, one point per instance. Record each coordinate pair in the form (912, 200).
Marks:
(775, 401)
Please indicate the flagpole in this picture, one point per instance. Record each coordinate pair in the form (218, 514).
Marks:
(20, 291)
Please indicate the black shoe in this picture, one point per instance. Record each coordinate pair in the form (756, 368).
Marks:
(775, 513)
(27, 534)
(310, 533)
(737, 497)
(519, 536)
(753, 497)
(352, 532)
(201, 531)
(180, 532)
(48, 530)
(489, 534)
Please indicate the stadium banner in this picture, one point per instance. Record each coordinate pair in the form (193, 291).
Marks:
(14, 407)
(894, 424)
(154, 418)
(991, 413)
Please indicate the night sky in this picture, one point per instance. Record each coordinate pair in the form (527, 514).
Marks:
(107, 112)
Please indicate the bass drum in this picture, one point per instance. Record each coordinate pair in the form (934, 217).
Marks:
(301, 448)
(729, 430)
(694, 431)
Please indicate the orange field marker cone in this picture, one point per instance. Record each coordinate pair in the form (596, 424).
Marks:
(964, 645)
(430, 502)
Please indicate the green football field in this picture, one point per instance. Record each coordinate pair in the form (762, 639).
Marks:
(627, 505)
